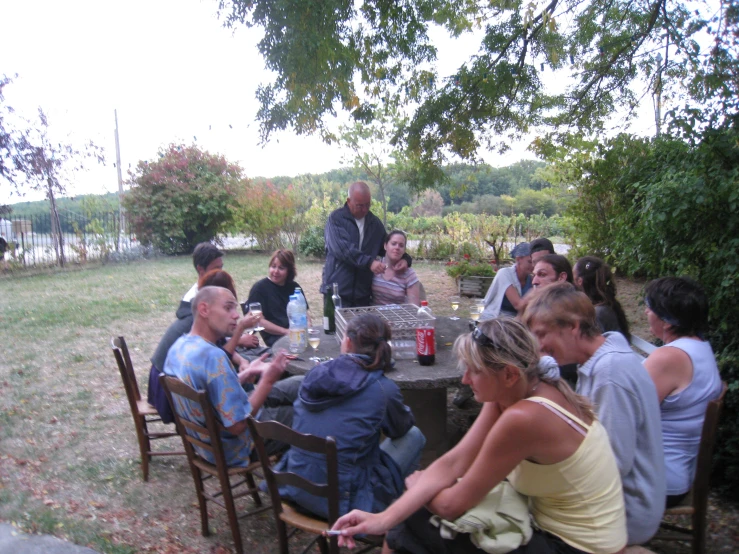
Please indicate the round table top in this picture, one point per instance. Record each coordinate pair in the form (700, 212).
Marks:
(408, 374)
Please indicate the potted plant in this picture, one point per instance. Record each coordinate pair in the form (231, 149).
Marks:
(473, 277)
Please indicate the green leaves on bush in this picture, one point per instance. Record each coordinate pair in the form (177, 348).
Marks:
(312, 242)
(183, 198)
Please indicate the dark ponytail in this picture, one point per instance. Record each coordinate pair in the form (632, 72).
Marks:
(600, 286)
(370, 336)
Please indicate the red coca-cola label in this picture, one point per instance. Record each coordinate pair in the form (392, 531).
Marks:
(425, 344)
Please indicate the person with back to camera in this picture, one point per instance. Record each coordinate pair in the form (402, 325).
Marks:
(611, 375)
(532, 430)
(593, 276)
(273, 293)
(541, 247)
(395, 286)
(504, 297)
(350, 399)
(685, 373)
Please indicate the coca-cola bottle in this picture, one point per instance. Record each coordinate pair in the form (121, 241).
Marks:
(425, 335)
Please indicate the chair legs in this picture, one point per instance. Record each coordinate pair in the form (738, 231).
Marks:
(144, 444)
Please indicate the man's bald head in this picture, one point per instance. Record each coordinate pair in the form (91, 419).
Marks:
(359, 200)
(215, 312)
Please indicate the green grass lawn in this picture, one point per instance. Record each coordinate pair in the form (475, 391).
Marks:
(69, 462)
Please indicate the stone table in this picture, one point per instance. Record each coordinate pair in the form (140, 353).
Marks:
(424, 388)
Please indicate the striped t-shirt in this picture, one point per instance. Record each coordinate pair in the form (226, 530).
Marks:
(392, 291)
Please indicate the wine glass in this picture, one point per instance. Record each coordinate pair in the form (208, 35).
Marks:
(455, 307)
(314, 338)
(255, 308)
(474, 312)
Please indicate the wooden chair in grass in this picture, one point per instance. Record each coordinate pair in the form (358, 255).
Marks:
(213, 482)
(143, 413)
(285, 513)
(695, 504)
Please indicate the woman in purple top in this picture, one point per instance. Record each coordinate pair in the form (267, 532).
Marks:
(684, 372)
(392, 286)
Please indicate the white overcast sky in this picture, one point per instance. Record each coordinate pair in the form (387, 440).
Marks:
(171, 70)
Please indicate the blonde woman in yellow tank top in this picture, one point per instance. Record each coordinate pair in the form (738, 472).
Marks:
(532, 430)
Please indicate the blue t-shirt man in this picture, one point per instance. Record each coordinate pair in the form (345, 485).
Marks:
(204, 366)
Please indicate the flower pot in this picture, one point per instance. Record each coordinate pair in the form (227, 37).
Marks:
(474, 285)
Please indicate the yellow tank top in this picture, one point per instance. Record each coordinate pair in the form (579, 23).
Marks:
(579, 499)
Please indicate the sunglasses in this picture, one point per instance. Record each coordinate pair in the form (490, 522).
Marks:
(481, 338)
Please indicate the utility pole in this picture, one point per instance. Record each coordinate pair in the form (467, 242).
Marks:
(121, 216)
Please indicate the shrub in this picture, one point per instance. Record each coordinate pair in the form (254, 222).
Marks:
(181, 199)
(312, 242)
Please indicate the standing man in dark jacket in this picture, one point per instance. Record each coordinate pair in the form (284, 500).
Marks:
(354, 238)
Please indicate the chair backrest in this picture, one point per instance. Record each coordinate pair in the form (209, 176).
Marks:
(207, 437)
(272, 430)
(705, 451)
(120, 351)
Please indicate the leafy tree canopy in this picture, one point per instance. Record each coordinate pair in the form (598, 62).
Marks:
(605, 54)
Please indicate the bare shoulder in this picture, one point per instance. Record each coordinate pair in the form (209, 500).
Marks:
(666, 357)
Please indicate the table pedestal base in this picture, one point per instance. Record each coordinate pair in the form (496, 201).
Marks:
(429, 408)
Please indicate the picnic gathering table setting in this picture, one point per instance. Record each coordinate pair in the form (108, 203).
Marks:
(424, 388)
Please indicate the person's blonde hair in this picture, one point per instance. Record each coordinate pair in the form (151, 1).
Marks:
(506, 342)
(562, 305)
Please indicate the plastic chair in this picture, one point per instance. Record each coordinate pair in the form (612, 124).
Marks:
(285, 513)
(208, 437)
(695, 504)
(143, 413)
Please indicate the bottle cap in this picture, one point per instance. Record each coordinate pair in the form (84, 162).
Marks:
(424, 303)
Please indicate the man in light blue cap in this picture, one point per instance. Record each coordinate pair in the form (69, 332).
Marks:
(504, 297)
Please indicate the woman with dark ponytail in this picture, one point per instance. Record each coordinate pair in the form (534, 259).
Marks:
(593, 276)
(350, 399)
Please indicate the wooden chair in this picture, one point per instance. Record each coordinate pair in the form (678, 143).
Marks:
(143, 413)
(695, 504)
(224, 493)
(285, 513)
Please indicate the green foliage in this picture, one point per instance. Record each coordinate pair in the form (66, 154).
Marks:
(270, 215)
(466, 268)
(183, 198)
(664, 207)
(358, 56)
(312, 242)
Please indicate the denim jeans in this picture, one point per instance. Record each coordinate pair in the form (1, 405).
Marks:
(406, 450)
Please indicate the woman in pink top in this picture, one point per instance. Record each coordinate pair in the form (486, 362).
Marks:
(393, 286)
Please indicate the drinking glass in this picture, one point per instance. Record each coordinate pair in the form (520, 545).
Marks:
(455, 307)
(474, 312)
(255, 308)
(314, 338)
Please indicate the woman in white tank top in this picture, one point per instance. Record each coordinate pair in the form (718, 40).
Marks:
(684, 372)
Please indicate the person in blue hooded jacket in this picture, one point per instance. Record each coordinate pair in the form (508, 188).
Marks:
(350, 399)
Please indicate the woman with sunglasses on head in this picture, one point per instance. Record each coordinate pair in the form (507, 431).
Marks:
(349, 398)
(685, 373)
(532, 430)
(393, 286)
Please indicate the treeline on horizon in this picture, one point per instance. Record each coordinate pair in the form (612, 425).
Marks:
(517, 188)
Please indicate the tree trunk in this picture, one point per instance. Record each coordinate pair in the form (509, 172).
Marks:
(56, 227)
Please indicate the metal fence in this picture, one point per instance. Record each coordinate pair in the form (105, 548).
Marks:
(82, 238)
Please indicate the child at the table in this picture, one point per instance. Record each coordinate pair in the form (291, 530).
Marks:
(350, 399)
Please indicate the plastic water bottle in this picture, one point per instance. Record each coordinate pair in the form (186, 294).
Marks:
(299, 293)
(298, 332)
(425, 335)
